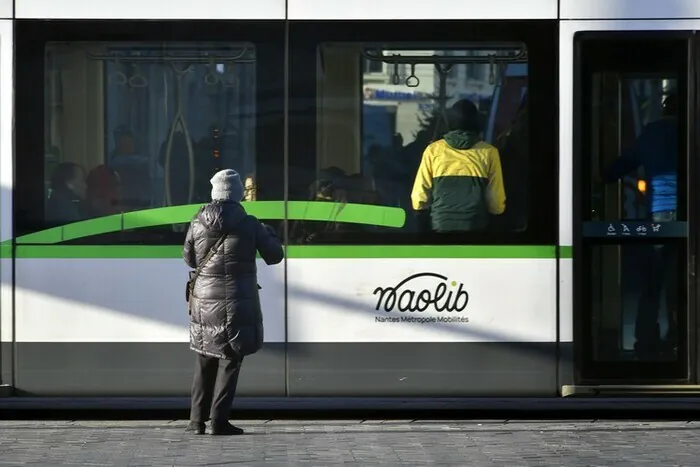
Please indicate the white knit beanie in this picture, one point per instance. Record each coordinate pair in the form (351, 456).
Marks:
(226, 186)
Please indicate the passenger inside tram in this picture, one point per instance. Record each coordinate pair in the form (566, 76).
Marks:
(250, 188)
(66, 201)
(656, 150)
(330, 187)
(459, 182)
(103, 191)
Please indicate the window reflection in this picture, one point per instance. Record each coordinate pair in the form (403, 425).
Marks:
(147, 123)
(377, 112)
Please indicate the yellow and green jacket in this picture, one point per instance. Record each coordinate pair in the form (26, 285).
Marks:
(460, 181)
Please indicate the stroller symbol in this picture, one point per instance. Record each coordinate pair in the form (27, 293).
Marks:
(655, 227)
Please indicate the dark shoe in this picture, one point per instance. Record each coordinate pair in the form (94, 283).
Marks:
(197, 428)
(224, 429)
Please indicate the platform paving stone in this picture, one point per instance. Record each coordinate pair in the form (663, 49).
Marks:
(372, 442)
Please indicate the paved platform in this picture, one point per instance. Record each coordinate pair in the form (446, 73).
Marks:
(324, 443)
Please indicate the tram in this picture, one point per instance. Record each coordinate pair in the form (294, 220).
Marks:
(113, 118)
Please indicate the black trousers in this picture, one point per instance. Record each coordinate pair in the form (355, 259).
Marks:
(213, 388)
(661, 275)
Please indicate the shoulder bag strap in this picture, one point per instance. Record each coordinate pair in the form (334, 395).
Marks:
(207, 258)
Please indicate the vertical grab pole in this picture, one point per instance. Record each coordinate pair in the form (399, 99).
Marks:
(179, 125)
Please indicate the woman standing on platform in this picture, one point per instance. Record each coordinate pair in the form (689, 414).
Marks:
(225, 315)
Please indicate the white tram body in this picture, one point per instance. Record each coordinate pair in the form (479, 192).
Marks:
(280, 88)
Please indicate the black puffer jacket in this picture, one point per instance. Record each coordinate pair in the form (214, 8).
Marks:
(225, 315)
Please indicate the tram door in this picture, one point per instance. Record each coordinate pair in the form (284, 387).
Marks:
(632, 246)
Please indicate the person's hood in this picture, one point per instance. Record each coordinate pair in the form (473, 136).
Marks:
(221, 216)
(461, 139)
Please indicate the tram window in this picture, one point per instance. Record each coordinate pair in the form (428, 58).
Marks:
(373, 129)
(139, 121)
(147, 123)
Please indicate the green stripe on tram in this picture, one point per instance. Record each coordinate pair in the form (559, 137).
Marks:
(381, 216)
(47, 243)
(423, 251)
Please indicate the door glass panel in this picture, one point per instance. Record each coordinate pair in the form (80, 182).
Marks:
(634, 164)
(634, 298)
(634, 230)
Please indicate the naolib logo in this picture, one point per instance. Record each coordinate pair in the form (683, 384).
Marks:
(408, 296)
